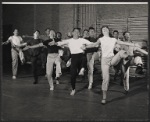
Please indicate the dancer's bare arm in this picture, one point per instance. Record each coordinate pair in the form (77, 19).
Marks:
(6, 42)
(96, 44)
(34, 46)
(127, 43)
(141, 50)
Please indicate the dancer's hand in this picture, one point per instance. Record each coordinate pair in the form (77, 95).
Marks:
(26, 48)
(137, 45)
(51, 43)
(68, 63)
(3, 43)
(83, 47)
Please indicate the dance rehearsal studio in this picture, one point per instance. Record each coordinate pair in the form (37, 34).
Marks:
(75, 61)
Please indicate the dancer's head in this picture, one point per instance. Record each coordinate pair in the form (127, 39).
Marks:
(91, 32)
(58, 35)
(117, 48)
(85, 33)
(116, 34)
(47, 31)
(126, 36)
(76, 33)
(105, 30)
(69, 35)
(52, 34)
(36, 34)
(16, 32)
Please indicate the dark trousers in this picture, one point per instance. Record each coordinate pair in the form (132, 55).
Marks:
(76, 62)
(84, 61)
(35, 66)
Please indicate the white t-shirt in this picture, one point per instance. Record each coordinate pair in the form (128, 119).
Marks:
(15, 40)
(107, 46)
(75, 44)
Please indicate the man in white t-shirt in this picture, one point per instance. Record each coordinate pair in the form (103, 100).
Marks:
(75, 45)
(16, 43)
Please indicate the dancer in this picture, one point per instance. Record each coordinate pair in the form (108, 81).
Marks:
(75, 45)
(117, 48)
(134, 59)
(91, 55)
(16, 44)
(52, 58)
(132, 51)
(84, 59)
(36, 54)
(108, 59)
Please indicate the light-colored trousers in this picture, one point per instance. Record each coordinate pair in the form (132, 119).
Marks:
(52, 59)
(91, 57)
(106, 62)
(14, 55)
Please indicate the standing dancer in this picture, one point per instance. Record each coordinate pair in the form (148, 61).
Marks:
(117, 48)
(75, 45)
(45, 37)
(16, 44)
(36, 54)
(108, 59)
(84, 59)
(91, 55)
(52, 58)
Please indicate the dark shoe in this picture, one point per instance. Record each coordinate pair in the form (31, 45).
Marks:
(128, 58)
(35, 82)
(126, 92)
(139, 69)
(57, 78)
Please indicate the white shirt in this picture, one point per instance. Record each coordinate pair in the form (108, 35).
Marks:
(15, 40)
(75, 44)
(107, 46)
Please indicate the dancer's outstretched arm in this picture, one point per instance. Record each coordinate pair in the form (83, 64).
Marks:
(96, 44)
(34, 46)
(127, 43)
(6, 42)
(142, 51)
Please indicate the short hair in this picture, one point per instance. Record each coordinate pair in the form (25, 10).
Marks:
(37, 31)
(91, 28)
(15, 29)
(59, 33)
(125, 33)
(79, 29)
(105, 26)
(115, 31)
(86, 30)
(52, 30)
(47, 29)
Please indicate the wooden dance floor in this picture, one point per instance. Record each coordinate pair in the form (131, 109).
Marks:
(22, 100)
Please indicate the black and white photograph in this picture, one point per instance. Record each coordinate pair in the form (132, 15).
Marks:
(75, 61)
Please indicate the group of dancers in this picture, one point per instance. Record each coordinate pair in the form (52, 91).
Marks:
(83, 50)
